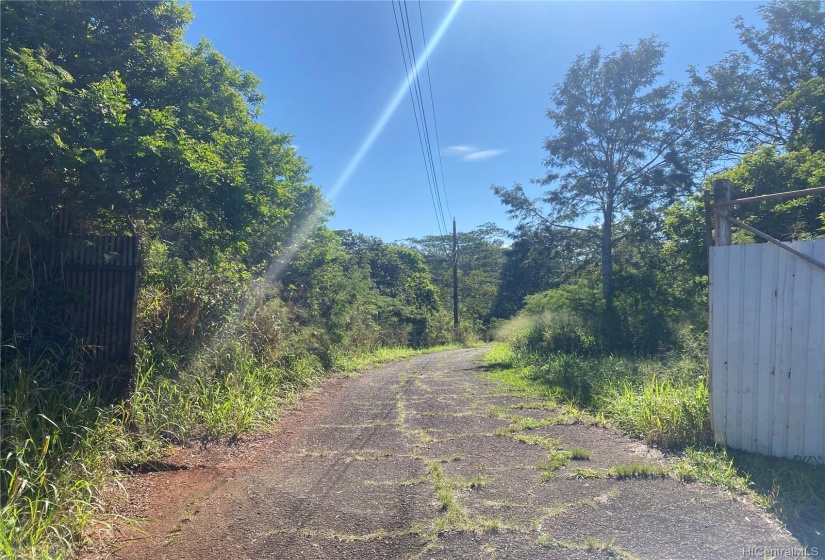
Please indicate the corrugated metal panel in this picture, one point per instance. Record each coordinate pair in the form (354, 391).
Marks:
(101, 274)
(767, 349)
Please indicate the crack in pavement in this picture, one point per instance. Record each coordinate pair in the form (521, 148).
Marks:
(429, 458)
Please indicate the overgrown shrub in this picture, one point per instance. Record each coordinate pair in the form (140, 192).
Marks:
(556, 332)
(642, 321)
(663, 399)
(183, 304)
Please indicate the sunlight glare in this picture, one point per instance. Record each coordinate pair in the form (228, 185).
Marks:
(291, 248)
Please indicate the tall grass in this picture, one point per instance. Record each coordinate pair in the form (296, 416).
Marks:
(60, 444)
(57, 444)
(667, 413)
(664, 400)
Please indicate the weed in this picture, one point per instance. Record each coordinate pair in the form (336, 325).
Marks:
(583, 473)
(590, 544)
(478, 481)
(557, 458)
(579, 454)
(61, 444)
(546, 442)
(638, 470)
(353, 362)
(443, 489)
(793, 490)
(666, 412)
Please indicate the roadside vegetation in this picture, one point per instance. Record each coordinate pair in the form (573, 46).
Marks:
(136, 133)
(663, 401)
(112, 123)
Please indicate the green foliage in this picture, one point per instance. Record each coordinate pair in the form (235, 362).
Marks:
(557, 332)
(110, 117)
(235, 385)
(620, 149)
(183, 304)
(769, 93)
(638, 470)
(666, 412)
(538, 259)
(579, 454)
(792, 489)
(363, 292)
(663, 400)
(133, 130)
(685, 242)
(808, 100)
(648, 308)
(769, 171)
(58, 447)
(480, 261)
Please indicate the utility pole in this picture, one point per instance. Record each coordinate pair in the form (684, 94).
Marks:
(455, 279)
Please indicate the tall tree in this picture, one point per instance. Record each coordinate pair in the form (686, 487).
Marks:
(765, 109)
(107, 113)
(773, 90)
(106, 110)
(618, 148)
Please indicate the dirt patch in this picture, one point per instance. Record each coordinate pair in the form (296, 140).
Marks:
(425, 458)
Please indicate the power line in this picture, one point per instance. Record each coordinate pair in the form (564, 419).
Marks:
(430, 160)
(432, 105)
(417, 100)
(442, 230)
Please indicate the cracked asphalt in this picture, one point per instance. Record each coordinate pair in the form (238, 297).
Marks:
(430, 458)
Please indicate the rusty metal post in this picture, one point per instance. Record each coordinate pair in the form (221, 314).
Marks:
(721, 196)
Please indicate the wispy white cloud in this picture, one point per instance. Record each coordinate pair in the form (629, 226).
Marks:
(483, 154)
(459, 150)
(469, 153)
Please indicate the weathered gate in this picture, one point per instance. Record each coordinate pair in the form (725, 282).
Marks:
(100, 276)
(767, 338)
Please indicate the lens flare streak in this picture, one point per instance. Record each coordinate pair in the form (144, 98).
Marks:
(302, 234)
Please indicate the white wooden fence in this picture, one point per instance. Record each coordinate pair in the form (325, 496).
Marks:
(767, 349)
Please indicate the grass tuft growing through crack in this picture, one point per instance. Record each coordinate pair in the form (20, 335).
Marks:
(478, 481)
(557, 458)
(579, 454)
(584, 473)
(638, 470)
(443, 488)
(590, 544)
(664, 400)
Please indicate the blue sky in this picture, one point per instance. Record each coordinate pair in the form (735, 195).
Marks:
(329, 69)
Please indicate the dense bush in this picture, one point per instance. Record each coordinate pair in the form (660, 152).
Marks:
(663, 399)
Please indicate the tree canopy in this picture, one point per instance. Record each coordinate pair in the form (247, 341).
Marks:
(772, 91)
(616, 149)
(109, 113)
